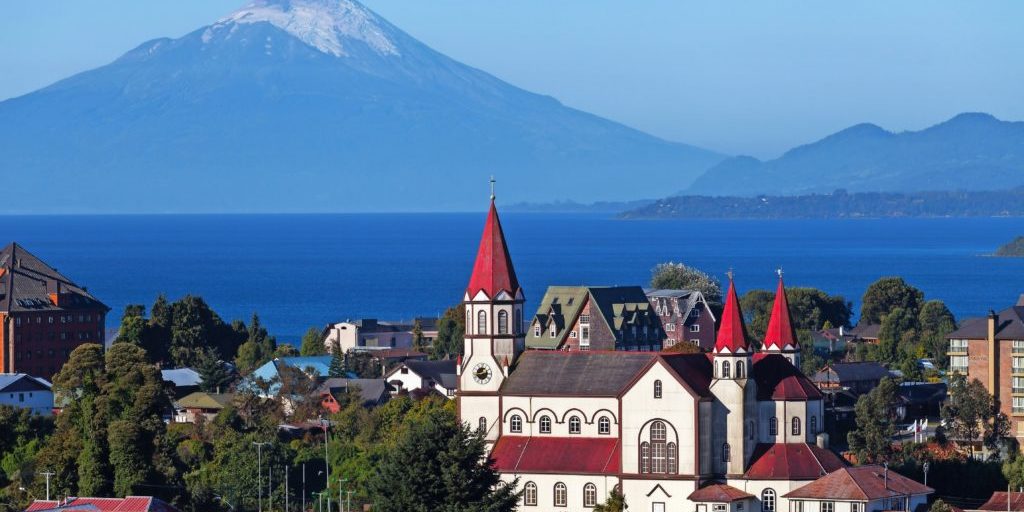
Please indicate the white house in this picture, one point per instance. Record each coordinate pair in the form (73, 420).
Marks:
(26, 392)
(413, 375)
(736, 430)
(860, 489)
(367, 334)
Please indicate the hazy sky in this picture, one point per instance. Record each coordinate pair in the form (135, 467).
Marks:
(738, 77)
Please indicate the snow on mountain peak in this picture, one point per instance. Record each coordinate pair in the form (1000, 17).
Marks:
(324, 24)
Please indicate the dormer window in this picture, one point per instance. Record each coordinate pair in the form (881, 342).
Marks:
(536, 331)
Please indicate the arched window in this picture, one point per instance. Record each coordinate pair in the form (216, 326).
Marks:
(768, 500)
(561, 499)
(645, 457)
(545, 425)
(726, 452)
(516, 424)
(574, 425)
(502, 322)
(481, 322)
(482, 424)
(725, 369)
(673, 457)
(739, 369)
(657, 389)
(530, 494)
(659, 450)
(604, 426)
(814, 425)
(590, 495)
(796, 426)
(773, 426)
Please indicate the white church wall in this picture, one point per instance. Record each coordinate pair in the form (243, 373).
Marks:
(574, 490)
(676, 407)
(560, 409)
(644, 495)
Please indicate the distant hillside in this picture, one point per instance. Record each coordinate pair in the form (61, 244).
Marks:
(1013, 248)
(574, 207)
(840, 204)
(312, 106)
(967, 152)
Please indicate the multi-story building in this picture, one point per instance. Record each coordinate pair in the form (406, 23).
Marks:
(685, 317)
(44, 315)
(367, 334)
(595, 318)
(734, 430)
(991, 350)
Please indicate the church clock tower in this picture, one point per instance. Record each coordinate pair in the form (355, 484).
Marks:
(495, 334)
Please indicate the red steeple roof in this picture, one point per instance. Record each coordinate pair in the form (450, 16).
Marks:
(780, 327)
(732, 334)
(493, 271)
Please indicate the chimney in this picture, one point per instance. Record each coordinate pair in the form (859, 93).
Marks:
(993, 354)
(458, 365)
(504, 366)
(822, 441)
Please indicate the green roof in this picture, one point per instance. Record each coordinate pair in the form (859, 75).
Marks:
(203, 400)
(617, 306)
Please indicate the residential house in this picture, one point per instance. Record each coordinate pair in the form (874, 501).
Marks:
(127, 504)
(428, 329)
(367, 334)
(595, 318)
(831, 340)
(860, 489)
(372, 392)
(316, 367)
(867, 333)
(26, 392)
(43, 314)
(857, 378)
(182, 381)
(991, 350)
(919, 400)
(1003, 501)
(201, 403)
(426, 376)
(685, 317)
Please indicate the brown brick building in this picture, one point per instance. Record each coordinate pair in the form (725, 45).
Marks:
(595, 318)
(991, 350)
(685, 317)
(43, 315)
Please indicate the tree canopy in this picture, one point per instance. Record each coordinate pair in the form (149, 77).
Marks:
(887, 294)
(677, 276)
(876, 424)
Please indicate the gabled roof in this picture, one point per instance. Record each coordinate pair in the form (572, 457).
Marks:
(561, 306)
(861, 483)
(204, 400)
(127, 504)
(441, 371)
(22, 382)
(791, 461)
(778, 379)
(26, 283)
(1002, 500)
(732, 333)
(546, 454)
(694, 369)
(575, 373)
(181, 377)
(780, 333)
(370, 390)
(687, 299)
(718, 493)
(851, 372)
(493, 271)
(618, 307)
(1010, 325)
(865, 331)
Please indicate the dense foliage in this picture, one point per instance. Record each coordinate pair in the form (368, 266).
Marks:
(875, 412)
(451, 328)
(677, 276)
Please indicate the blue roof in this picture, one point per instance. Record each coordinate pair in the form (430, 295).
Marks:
(320, 365)
(182, 377)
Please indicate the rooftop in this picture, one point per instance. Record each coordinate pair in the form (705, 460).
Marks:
(577, 455)
(861, 483)
(718, 493)
(29, 284)
(791, 461)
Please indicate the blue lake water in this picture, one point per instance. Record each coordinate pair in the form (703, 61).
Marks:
(303, 270)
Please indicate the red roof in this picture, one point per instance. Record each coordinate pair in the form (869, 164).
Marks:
(998, 501)
(864, 483)
(791, 461)
(718, 493)
(578, 455)
(127, 504)
(778, 379)
(780, 331)
(732, 334)
(493, 270)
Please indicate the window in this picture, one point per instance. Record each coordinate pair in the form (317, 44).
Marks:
(502, 322)
(585, 334)
(958, 345)
(584, 319)
(670, 327)
(590, 495)
(545, 425)
(530, 494)
(768, 500)
(604, 426)
(516, 424)
(482, 424)
(1018, 385)
(694, 313)
(481, 322)
(856, 507)
(958, 364)
(739, 369)
(725, 370)
(695, 328)
(796, 426)
(553, 331)
(814, 425)
(719, 507)
(828, 506)
(726, 453)
(657, 389)
(574, 425)
(560, 495)
(673, 456)
(798, 506)
(572, 334)
(49, 319)
(645, 457)
(1018, 405)
(1018, 346)
(536, 332)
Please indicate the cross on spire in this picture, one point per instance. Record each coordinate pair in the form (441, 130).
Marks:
(729, 273)
(779, 272)
(492, 187)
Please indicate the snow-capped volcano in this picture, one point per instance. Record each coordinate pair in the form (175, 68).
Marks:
(327, 25)
(312, 105)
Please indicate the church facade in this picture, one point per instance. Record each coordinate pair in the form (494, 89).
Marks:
(734, 430)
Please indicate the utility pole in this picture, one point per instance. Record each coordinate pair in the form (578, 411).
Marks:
(926, 473)
(349, 501)
(341, 502)
(303, 487)
(259, 472)
(285, 469)
(47, 474)
(327, 466)
(270, 487)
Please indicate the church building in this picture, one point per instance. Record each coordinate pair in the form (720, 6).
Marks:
(734, 430)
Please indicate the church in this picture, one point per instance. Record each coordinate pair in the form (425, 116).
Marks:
(734, 430)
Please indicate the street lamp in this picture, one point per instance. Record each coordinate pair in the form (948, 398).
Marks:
(259, 471)
(327, 465)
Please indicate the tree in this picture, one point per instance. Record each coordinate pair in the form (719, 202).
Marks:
(936, 321)
(972, 414)
(616, 502)
(895, 326)
(133, 325)
(215, 374)
(258, 348)
(887, 294)
(451, 328)
(439, 464)
(940, 506)
(876, 424)
(810, 309)
(417, 335)
(312, 343)
(337, 368)
(677, 276)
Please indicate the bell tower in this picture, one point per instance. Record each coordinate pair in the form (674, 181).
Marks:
(495, 335)
(734, 409)
(780, 338)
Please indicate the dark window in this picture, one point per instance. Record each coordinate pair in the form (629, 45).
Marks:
(725, 370)
(561, 498)
(545, 425)
(502, 322)
(574, 425)
(796, 426)
(481, 323)
(604, 426)
(516, 424)
(590, 495)
(530, 494)
(657, 389)
(726, 453)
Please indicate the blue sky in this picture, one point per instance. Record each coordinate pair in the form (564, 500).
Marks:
(742, 78)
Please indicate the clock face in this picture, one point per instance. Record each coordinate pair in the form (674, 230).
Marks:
(482, 373)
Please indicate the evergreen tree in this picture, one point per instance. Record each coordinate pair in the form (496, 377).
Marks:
(417, 335)
(213, 371)
(312, 343)
(616, 502)
(451, 328)
(887, 294)
(972, 414)
(895, 325)
(337, 368)
(876, 424)
(133, 325)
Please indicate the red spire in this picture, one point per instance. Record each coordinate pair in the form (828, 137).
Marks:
(493, 271)
(732, 334)
(780, 327)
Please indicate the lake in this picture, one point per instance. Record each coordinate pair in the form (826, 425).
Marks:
(299, 271)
